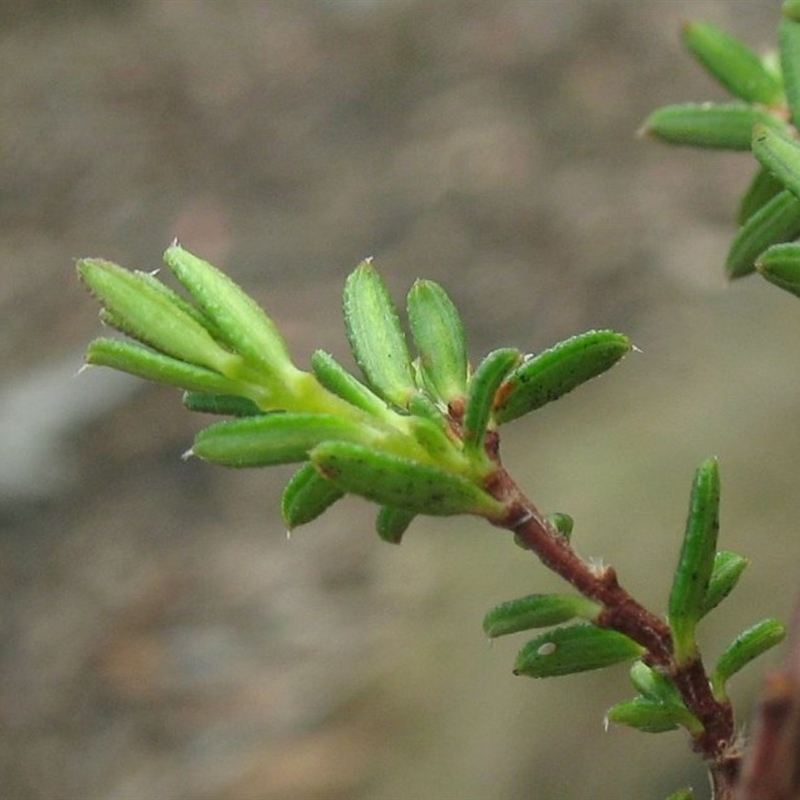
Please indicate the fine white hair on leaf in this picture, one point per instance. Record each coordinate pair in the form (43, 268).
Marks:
(546, 649)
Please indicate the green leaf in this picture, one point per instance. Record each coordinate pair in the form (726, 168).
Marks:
(224, 404)
(780, 154)
(653, 717)
(438, 333)
(537, 611)
(390, 480)
(682, 794)
(574, 648)
(483, 387)
(554, 372)
(563, 523)
(743, 649)
(136, 307)
(780, 264)
(776, 222)
(732, 63)
(763, 187)
(145, 363)
(691, 580)
(722, 126)
(391, 523)
(278, 438)
(789, 41)
(376, 336)
(335, 378)
(652, 685)
(728, 568)
(241, 322)
(307, 496)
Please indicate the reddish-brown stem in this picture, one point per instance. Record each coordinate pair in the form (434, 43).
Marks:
(621, 612)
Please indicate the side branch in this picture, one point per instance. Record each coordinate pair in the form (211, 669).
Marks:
(621, 613)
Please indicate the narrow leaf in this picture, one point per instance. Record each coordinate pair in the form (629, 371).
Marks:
(653, 685)
(391, 523)
(732, 63)
(242, 323)
(307, 496)
(145, 363)
(744, 648)
(335, 378)
(224, 404)
(278, 438)
(780, 154)
(537, 611)
(763, 187)
(483, 387)
(691, 580)
(438, 333)
(554, 372)
(653, 717)
(401, 483)
(723, 126)
(728, 568)
(775, 222)
(789, 42)
(574, 648)
(376, 336)
(137, 308)
(780, 265)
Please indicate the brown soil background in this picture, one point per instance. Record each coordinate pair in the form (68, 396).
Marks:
(160, 639)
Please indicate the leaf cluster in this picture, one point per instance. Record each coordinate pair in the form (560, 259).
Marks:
(763, 117)
(417, 434)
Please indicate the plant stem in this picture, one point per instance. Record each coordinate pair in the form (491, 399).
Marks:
(622, 613)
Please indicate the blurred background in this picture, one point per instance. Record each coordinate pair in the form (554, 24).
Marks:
(160, 637)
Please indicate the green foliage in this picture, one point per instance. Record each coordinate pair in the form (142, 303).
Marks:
(574, 648)
(420, 433)
(690, 583)
(764, 119)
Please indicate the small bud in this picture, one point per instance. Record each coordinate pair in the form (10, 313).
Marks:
(652, 684)
(728, 568)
